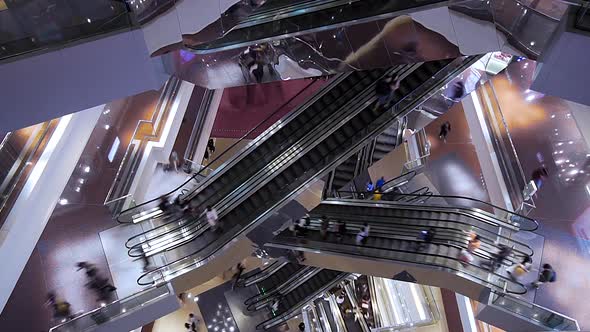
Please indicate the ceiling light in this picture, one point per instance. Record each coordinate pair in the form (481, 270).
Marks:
(87, 169)
(88, 20)
(107, 127)
(63, 201)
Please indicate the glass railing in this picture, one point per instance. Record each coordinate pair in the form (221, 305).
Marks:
(418, 150)
(109, 312)
(501, 140)
(29, 26)
(526, 28)
(478, 209)
(118, 197)
(19, 152)
(545, 318)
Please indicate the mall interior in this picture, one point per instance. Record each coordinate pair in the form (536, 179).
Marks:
(413, 165)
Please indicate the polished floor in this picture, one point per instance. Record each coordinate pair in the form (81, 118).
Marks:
(72, 233)
(545, 134)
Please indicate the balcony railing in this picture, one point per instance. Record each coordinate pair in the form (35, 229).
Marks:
(114, 310)
(19, 152)
(545, 318)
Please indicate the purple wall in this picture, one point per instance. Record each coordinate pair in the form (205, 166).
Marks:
(53, 84)
(565, 63)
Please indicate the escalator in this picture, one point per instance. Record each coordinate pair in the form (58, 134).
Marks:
(291, 302)
(394, 241)
(275, 167)
(303, 17)
(258, 154)
(371, 153)
(289, 275)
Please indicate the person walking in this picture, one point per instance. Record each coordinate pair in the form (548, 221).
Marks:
(539, 176)
(363, 234)
(370, 187)
(211, 146)
(212, 218)
(445, 129)
(193, 321)
(517, 271)
(546, 275)
(61, 309)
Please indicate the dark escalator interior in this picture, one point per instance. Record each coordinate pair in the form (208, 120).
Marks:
(269, 172)
(279, 277)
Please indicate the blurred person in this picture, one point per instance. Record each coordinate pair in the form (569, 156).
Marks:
(377, 195)
(301, 327)
(466, 255)
(174, 161)
(212, 218)
(456, 92)
(370, 187)
(188, 327)
(239, 270)
(426, 237)
(275, 305)
(539, 176)
(546, 275)
(192, 321)
(445, 129)
(145, 260)
(61, 309)
(363, 234)
(380, 183)
(384, 90)
(324, 227)
(340, 230)
(164, 204)
(499, 257)
(211, 145)
(518, 270)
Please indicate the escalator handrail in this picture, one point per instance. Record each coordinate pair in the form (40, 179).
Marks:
(242, 281)
(488, 242)
(533, 221)
(449, 221)
(350, 105)
(483, 282)
(266, 132)
(293, 309)
(303, 271)
(410, 95)
(280, 13)
(295, 280)
(221, 213)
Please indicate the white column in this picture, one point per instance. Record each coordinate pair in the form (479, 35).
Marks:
(33, 207)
